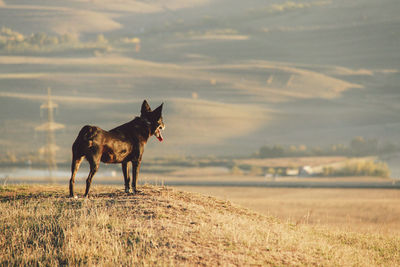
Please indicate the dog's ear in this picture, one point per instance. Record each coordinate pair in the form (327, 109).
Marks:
(157, 111)
(145, 108)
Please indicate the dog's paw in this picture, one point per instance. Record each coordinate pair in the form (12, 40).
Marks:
(136, 191)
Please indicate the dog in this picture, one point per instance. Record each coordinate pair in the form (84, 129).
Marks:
(122, 144)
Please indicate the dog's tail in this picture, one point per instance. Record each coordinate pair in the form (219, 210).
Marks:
(84, 140)
(87, 133)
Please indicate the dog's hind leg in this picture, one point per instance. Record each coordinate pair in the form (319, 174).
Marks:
(94, 162)
(127, 178)
(76, 162)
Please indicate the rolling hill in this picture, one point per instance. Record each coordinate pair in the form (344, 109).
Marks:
(165, 227)
(234, 75)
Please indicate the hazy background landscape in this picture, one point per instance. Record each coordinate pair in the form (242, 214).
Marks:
(289, 109)
(234, 75)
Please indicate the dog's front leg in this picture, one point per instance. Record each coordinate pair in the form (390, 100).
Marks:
(125, 171)
(135, 174)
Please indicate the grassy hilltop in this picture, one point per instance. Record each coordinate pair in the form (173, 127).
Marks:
(162, 226)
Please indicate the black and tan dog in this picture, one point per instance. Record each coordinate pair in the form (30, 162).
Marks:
(122, 144)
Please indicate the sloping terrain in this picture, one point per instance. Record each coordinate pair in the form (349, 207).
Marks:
(165, 227)
(77, 16)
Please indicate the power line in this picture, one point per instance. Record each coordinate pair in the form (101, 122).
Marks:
(49, 150)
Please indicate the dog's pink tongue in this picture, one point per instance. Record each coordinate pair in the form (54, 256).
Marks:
(160, 138)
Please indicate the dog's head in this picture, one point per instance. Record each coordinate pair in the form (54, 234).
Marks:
(154, 119)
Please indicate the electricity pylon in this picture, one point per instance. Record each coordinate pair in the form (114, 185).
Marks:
(49, 150)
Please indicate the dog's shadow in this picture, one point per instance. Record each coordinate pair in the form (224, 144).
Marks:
(116, 194)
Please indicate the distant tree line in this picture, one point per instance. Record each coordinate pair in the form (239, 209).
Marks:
(362, 168)
(358, 147)
(14, 42)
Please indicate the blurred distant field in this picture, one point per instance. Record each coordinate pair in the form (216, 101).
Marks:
(360, 210)
(234, 75)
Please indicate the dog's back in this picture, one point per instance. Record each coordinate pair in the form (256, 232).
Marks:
(122, 144)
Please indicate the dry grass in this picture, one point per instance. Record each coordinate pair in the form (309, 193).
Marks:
(360, 210)
(166, 227)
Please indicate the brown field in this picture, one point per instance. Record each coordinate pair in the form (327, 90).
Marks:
(360, 210)
(163, 226)
(292, 161)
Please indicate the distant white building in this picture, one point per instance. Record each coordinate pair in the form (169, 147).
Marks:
(305, 171)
